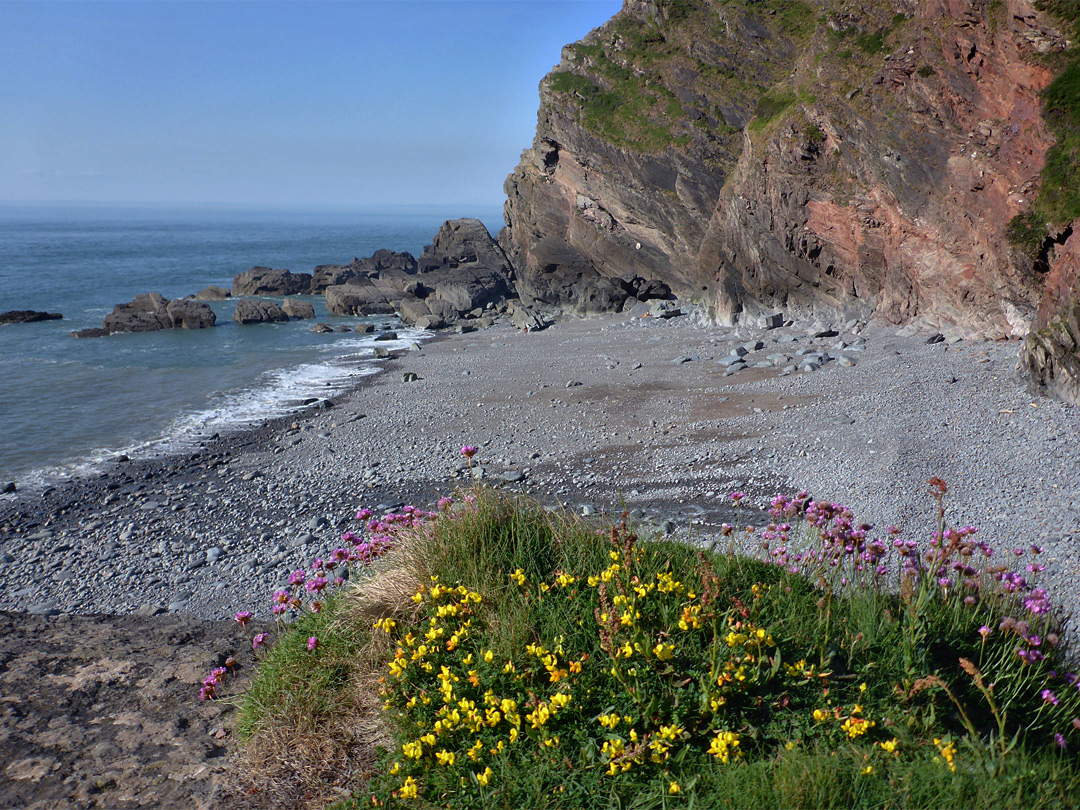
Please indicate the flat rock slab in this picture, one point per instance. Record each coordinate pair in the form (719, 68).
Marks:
(104, 711)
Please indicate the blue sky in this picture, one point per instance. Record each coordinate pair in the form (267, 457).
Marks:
(309, 103)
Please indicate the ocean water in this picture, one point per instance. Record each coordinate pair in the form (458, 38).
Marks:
(68, 404)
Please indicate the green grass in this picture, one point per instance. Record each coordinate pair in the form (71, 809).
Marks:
(838, 695)
(770, 105)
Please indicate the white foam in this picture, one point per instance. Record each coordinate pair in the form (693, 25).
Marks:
(275, 393)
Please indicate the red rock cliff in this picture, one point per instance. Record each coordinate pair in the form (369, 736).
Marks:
(829, 159)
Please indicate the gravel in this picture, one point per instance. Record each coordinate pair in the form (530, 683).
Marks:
(631, 430)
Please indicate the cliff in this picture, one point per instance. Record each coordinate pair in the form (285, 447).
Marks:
(897, 160)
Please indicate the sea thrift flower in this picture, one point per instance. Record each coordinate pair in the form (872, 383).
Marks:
(315, 585)
(445, 502)
(258, 641)
(1049, 697)
(1060, 740)
(984, 631)
(469, 450)
(297, 577)
(243, 617)
(364, 514)
(312, 644)
(737, 496)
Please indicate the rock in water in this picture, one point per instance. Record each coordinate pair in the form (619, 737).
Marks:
(212, 293)
(298, 309)
(187, 313)
(266, 281)
(258, 312)
(28, 316)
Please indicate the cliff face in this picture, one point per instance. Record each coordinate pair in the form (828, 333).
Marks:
(819, 157)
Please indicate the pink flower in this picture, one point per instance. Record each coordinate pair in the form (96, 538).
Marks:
(1049, 697)
(445, 502)
(737, 496)
(297, 577)
(315, 585)
(312, 643)
(984, 631)
(364, 514)
(258, 641)
(243, 617)
(469, 450)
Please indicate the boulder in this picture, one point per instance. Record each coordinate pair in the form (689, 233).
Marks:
(258, 312)
(212, 293)
(1050, 357)
(92, 332)
(187, 313)
(266, 281)
(28, 316)
(464, 268)
(381, 264)
(524, 318)
(363, 297)
(301, 310)
(145, 313)
(322, 328)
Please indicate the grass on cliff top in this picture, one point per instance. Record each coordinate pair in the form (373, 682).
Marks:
(505, 656)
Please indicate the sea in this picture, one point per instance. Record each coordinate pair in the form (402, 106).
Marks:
(67, 405)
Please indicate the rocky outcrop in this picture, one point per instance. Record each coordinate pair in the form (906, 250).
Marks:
(301, 310)
(265, 281)
(152, 312)
(212, 293)
(28, 316)
(1050, 358)
(836, 163)
(330, 275)
(460, 274)
(258, 312)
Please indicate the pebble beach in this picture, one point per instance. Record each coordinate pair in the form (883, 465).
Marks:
(660, 417)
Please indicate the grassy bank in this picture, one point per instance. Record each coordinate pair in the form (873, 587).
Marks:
(498, 655)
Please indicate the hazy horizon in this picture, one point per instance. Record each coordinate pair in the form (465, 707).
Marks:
(365, 105)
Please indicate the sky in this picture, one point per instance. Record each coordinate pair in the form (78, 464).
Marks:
(395, 102)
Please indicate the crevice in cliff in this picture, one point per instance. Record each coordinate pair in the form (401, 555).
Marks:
(1041, 266)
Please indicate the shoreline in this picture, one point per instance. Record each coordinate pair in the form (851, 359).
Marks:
(594, 415)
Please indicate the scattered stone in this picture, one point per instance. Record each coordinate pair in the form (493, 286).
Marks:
(573, 383)
(44, 609)
(387, 336)
(365, 329)
(935, 338)
(774, 321)
(380, 352)
(322, 328)
(410, 376)
(8, 488)
(513, 476)
(258, 312)
(845, 361)
(149, 609)
(680, 360)
(826, 333)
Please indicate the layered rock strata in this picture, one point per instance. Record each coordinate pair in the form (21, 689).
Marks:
(853, 160)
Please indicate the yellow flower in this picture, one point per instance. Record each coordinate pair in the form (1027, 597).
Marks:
(670, 732)
(513, 736)
(485, 777)
(418, 597)
(564, 580)
(890, 745)
(395, 769)
(551, 742)
(869, 769)
(723, 745)
(519, 576)
(627, 650)
(820, 716)
(386, 624)
(445, 757)
(608, 720)
(665, 652)
(408, 790)
(674, 788)
(561, 700)
(489, 656)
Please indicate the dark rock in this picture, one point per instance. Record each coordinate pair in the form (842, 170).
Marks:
(365, 329)
(212, 293)
(381, 264)
(410, 376)
(380, 352)
(8, 488)
(266, 281)
(465, 268)
(322, 328)
(386, 336)
(28, 316)
(935, 338)
(91, 332)
(145, 313)
(258, 312)
(298, 309)
(1050, 357)
(187, 313)
(828, 333)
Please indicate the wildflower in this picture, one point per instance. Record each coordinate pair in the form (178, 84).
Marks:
(469, 451)
(312, 644)
(1049, 697)
(984, 631)
(723, 745)
(408, 790)
(519, 576)
(485, 777)
(664, 652)
(316, 584)
(674, 788)
(1059, 740)
(445, 757)
(889, 746)
(243, 617)
(869, 769)
(820, 716)
(258, 641)
(948, 752)
(737, 496)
